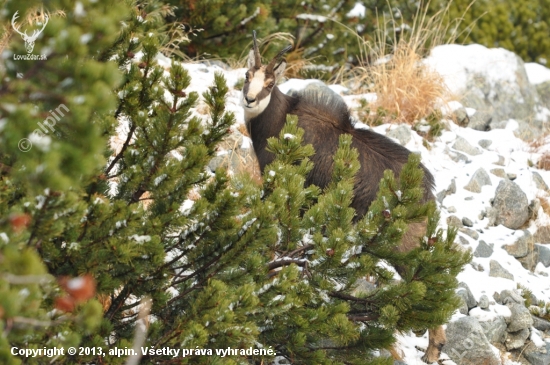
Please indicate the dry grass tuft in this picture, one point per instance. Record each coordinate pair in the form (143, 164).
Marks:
(407, 90)
(544, 161)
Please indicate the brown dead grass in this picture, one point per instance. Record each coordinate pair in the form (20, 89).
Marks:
(407, 90)
(544, 161)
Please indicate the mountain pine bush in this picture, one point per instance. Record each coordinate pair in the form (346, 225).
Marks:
(125, 248)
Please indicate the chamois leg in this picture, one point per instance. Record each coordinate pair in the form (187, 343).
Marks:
(437, 339)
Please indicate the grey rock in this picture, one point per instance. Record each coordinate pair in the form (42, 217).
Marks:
(401, 133)
(440, 196)
(530, 261)
(452, 187)
(483, 302)
(543, 252)
(538, 356)
(526, 131)
(515, 340)
(542, 234)
(540, 323)
(497, 271)
(469, 232)
(463, 241)
(460, 115)
(500, 161)
(218, 63)
(539, 181)
(510, 297)
(463, 307)
(480, 121)
(483, 250)
(462, 145)
(444, 193)
(510, 206)
(464, 291)
(454, 221)
(457, 156)
(467, 343)
(479, 179)
(511, 176)
(543, 90)
(467, 222)
(495, 329)
(451, 209)
(498, 172)
(485, 143)
(520, 248)
(520, 319)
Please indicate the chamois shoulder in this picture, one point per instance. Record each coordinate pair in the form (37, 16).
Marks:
(324, 104)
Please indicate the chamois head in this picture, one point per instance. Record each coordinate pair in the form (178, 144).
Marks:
(260, 80)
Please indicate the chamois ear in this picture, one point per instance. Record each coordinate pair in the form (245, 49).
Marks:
(279, 70)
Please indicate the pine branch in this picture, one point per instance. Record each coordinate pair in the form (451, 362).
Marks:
(276, 264)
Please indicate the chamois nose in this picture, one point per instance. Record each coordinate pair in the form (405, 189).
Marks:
(249, 100)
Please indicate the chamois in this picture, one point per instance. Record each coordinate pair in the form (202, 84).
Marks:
(324, 116)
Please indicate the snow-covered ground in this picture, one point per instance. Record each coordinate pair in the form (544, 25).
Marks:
(516, 158)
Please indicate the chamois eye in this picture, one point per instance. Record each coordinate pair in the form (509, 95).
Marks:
(271, 84)
(246, 76)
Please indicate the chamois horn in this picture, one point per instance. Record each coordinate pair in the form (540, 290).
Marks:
(257, 58)
(277, 58)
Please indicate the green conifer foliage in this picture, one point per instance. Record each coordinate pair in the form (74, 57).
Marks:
(51, 114)
(522, 27)
(240, 266)
(312, 308)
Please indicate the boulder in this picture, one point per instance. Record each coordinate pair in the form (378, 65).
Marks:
(462, 145)
(467, 344)
(495, 329)
(483, 250)
(483, 302)
(493, 81)
(497, 271)
(479, 178)
(539, 181)
(464, 291)
(521, 247)
(401, 133)
(543, 252)
(510, 206)
(515, 340)
(520, 319)
(538, 356)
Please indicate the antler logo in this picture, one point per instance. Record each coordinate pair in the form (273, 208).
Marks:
(29, 40)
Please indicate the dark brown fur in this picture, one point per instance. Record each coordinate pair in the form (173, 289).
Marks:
(324, 118)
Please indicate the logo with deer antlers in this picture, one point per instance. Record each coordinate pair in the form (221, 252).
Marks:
(29, 39)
